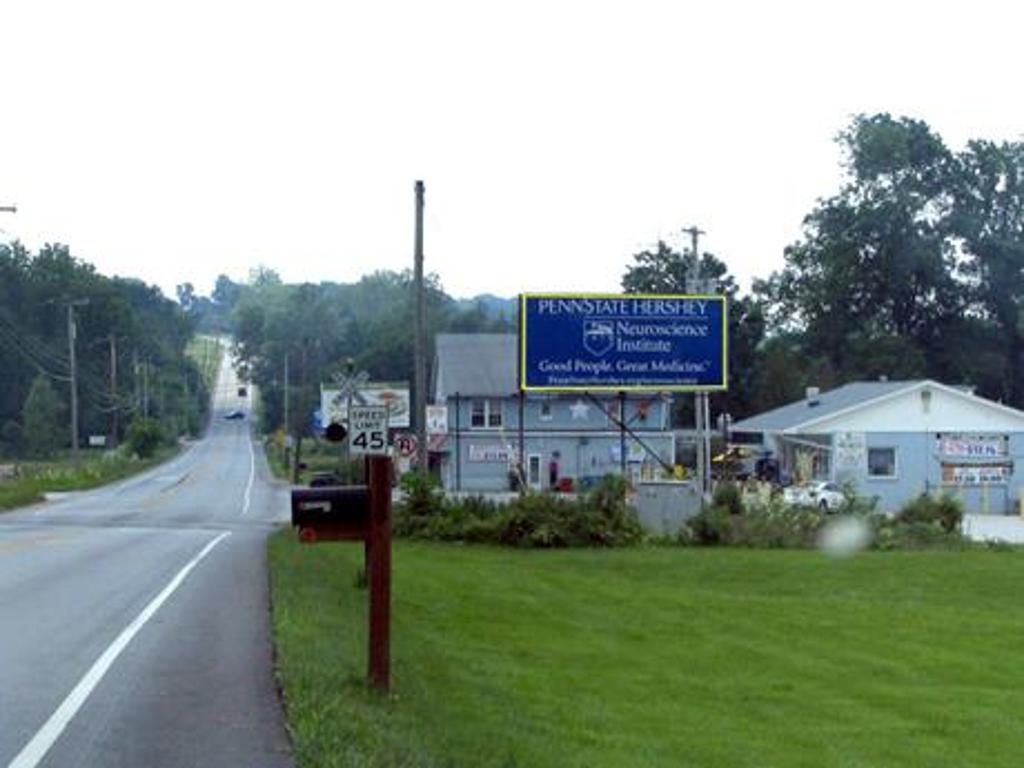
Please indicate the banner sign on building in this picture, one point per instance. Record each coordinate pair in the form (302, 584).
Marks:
(395, 397)
(976, 474)
(589, 342)
(504, 454)
(850, 452)
(974, 446)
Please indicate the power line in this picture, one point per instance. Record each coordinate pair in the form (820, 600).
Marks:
(13, 342)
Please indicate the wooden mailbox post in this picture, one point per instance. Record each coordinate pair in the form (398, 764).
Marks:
(354, 513)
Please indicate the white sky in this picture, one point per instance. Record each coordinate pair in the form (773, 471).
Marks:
(180, 140)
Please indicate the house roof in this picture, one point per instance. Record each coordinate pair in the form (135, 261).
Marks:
(849, 396)
(475, 364)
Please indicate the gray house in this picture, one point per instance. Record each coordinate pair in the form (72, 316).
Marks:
(897, 439)
(487, 423)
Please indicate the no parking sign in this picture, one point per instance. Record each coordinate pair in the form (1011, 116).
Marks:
(406, 445)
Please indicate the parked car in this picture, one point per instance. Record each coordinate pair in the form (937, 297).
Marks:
(823, 495)
(234, 415)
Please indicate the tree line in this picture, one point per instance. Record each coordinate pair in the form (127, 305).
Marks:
(914, 268)
(317, 331)
(130, 345)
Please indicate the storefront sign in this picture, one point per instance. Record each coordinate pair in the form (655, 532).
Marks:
(974, 446)
(504, 454)
(851, 452)
(976, 474)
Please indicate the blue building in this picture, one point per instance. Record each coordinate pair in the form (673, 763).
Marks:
(487, 423)
(895, 440)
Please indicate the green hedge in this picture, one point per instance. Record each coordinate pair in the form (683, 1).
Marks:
(601, 518)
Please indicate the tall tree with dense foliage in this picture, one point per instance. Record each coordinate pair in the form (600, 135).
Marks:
(872, 287)
(665, 270)
(988, 219)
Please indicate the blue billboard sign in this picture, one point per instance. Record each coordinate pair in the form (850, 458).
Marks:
(600, 342)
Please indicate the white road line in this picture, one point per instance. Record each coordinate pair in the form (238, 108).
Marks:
(36, 749)
(252, 476)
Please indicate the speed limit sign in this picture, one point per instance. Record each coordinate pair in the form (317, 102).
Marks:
(368, 430)
(405, 445)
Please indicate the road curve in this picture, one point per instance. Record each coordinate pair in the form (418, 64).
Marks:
(134, 619)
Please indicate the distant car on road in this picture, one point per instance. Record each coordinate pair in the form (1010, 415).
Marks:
(825, 496)
(234, 415)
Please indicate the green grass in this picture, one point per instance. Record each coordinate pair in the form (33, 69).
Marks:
(318, 456)
(36, 478)
(655, 657)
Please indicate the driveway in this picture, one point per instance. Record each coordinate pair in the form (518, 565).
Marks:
(1008, 528)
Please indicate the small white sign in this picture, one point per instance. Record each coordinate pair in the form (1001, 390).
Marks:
(368, 433)
(437, 419)
(97, 441)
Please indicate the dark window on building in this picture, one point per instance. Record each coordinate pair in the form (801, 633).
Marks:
(881, 462)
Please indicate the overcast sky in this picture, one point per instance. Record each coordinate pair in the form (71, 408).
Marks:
(181, 140)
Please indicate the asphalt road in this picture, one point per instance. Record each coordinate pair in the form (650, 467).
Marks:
(134, 619)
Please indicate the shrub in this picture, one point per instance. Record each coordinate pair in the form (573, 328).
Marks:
(544, 520)
(422, 496)
(946, 510)
(144, 437)
(727, 496)
(710, 526)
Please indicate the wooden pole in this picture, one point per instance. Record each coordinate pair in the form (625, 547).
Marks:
(379, 572)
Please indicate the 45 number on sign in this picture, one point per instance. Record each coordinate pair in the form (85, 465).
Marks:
(368, 433)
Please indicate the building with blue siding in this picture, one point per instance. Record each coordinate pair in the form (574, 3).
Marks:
(488, 423)
(895, 440)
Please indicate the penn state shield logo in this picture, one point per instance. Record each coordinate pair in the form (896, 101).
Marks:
(598, 336)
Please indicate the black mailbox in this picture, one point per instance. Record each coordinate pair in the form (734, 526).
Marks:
(332, 513)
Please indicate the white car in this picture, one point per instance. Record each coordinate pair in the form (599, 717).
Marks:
(825, 496)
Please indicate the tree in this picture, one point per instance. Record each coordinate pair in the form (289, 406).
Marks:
(665, 270)
(988, 217)
(186, 296)
(872, 284)
(43, 425)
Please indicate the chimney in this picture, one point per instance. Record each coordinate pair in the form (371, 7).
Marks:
(812, 396)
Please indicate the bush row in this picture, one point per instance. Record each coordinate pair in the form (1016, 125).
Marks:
(923, 522)
(601, 518)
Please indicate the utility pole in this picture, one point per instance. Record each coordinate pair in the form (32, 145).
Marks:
(145, 387)
(287, 421)
(112, 443)
(420, 359)
(695, 284)
(137, 400)
(72, 333)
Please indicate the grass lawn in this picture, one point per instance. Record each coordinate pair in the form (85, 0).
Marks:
(656, 657)
(36, 478)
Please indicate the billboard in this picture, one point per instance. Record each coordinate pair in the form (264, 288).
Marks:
(333, 403)
(604, 342)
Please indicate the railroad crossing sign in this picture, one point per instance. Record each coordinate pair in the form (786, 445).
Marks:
(406, 445)
(368, 430)
(349, 384)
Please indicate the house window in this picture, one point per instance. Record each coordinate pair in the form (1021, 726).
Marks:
(881, 462)
(494, 413)
(486, 414)
(478, 418)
